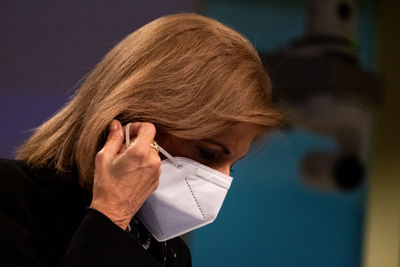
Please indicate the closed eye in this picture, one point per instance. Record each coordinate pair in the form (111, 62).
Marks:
(207, 154)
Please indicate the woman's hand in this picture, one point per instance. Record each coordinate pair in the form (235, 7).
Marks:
(125, 177)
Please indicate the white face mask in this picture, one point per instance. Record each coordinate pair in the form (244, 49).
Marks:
(189, 196)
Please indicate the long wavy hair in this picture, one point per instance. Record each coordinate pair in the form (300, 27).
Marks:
(188, 74)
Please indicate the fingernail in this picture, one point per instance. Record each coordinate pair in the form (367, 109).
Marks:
(113, 125)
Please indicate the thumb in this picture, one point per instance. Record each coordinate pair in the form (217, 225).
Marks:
(115, 139)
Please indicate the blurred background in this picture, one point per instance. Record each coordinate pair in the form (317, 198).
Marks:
(325, 191)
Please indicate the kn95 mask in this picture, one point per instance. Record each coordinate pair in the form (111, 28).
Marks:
(189, 195)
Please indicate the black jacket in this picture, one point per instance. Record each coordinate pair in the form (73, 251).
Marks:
(44, 221)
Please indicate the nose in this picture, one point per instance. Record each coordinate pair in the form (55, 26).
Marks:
(225, 169)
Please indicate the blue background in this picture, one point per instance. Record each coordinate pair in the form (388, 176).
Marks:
(270, 218)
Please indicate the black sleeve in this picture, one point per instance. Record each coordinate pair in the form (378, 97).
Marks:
(29, 235)
(99, 242)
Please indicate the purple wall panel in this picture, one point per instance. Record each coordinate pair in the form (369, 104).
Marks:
(46, 47)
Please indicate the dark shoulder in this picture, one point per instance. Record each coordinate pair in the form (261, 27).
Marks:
(33, 196)
(12, 167)
(30, 214)
(26, 186)
(20, 195)
(18, 173)
(14, 175)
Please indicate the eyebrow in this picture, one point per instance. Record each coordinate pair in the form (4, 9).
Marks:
(224, 148)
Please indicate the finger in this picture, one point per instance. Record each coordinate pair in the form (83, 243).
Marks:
(114, 139)
(122, 150)
(127, 139)
(143, 134)
(127, 129)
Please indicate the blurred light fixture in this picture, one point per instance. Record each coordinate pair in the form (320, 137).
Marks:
(326, 91)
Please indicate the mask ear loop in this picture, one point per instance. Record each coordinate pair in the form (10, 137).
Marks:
(162, 150)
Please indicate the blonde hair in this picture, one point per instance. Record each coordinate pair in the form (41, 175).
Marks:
(189, 75)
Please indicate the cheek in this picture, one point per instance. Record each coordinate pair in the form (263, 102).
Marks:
(175, 146)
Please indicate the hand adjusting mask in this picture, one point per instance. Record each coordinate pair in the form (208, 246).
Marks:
(189, 195)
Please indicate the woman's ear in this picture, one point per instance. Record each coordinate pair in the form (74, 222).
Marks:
(161, 137)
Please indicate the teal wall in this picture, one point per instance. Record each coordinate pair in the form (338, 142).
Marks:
(269, 217)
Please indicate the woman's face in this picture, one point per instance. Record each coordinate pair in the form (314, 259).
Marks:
(219, 152)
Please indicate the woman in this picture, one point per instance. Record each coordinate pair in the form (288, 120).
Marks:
(76, 195)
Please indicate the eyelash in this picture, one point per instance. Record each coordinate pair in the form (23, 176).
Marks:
(207, 154)
(210, 155)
